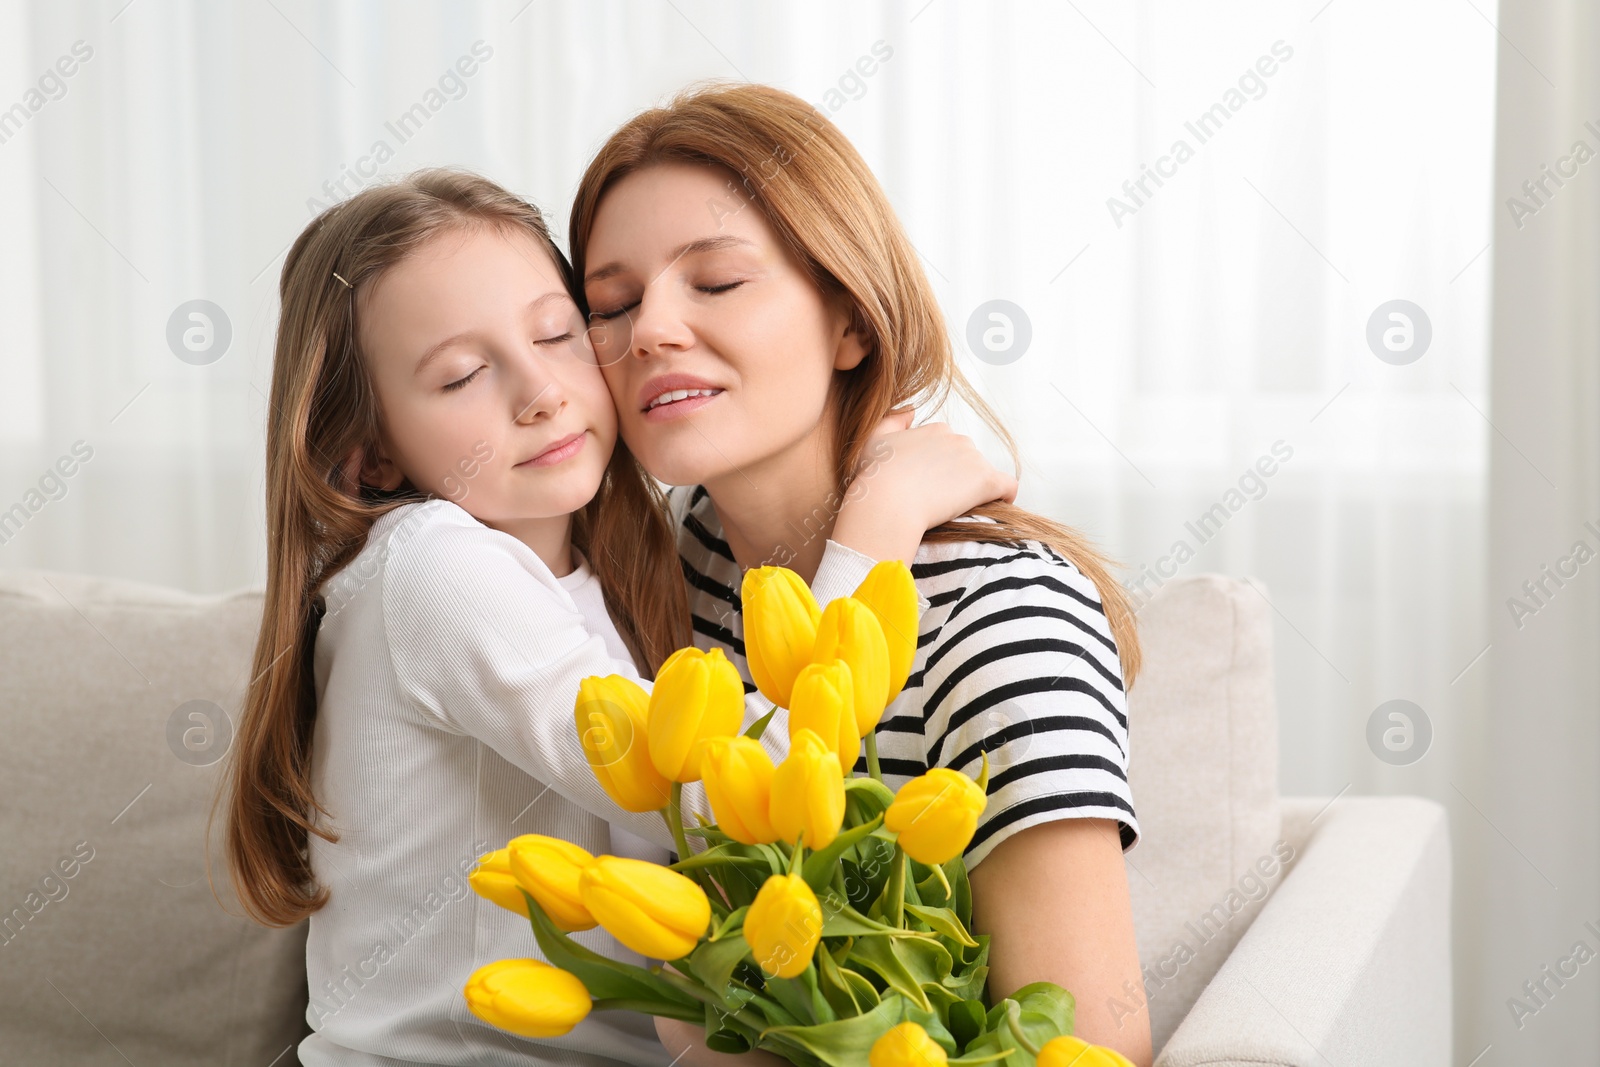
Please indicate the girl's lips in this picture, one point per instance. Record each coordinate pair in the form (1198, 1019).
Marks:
(559, 452)
(677, 409)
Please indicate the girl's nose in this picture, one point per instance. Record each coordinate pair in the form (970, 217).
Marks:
(538, 392)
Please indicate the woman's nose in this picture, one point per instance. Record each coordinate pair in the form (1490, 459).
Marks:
(658, 324)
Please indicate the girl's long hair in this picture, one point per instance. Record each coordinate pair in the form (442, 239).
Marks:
(324, 418)
(821, 198)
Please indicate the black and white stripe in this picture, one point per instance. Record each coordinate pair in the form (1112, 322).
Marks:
(1015, 656)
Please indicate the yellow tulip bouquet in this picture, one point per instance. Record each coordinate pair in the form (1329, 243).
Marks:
(828, 918)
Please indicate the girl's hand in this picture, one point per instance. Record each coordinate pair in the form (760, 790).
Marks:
(912, 479)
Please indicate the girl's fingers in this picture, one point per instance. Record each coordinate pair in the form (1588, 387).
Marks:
(895, 421)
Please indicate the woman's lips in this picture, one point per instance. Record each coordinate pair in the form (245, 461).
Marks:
(677, 409)
(559, 452)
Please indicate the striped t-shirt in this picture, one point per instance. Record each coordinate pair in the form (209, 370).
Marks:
(1014, 656)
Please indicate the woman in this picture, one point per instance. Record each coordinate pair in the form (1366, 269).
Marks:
(757, 310)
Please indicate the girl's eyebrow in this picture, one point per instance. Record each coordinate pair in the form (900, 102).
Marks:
(699, 244)
(466, 335)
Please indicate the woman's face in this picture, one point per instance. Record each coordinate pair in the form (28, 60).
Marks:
(717, 346)
(490, 393)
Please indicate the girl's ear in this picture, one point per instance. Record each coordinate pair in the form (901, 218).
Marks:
(377, 469)
(855, 344)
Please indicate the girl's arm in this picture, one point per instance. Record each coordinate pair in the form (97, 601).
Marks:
(910, 480)
(487, 644)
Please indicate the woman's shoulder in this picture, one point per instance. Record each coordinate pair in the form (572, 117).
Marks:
(941, 565)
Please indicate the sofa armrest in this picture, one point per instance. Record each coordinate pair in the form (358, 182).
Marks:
(1349, 960)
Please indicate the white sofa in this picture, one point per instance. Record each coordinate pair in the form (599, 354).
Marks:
(1294, 931)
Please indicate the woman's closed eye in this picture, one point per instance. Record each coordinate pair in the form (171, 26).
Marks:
(711, 290)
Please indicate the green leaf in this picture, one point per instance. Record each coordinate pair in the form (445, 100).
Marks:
(868, 873)
(944, 921)
(878, 954)
(1049, 1000)
(734, 920)
(848, 1042)
(713, 962)
(841, 920)
(606, 978)
(819, 866)
(725, 1035)
(955, 873)
(966, 1021)
(866, 993)
(841, 997)
(759, 727)
(866, 797)
(795, 998)
(719, 855)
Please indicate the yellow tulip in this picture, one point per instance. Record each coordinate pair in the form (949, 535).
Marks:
(891, 593)
(780, 627)
(655, 911)
(612, 714)
(935, 815)
(493, 881)
(1068, 1051)
(783, 925)
(697, 696)
(851, 632)
(527, 997)
(808, 792)
(907, 1045)
(824, 701)
(738, 779)
(548, 868)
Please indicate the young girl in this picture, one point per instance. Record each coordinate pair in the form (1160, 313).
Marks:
(455, 541)
(762, 307)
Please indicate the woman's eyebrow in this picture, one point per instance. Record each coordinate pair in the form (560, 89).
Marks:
(699, 244)
(466, 335)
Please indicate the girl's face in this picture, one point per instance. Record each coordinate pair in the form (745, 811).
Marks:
(717, 346)
(489, 390)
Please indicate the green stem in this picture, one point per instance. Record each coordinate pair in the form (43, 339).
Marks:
(794, 857)
(872, 756)
(1014, 1021)
(674, 815)
(897, 888)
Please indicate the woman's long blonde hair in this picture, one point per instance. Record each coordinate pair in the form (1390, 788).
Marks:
(820, 197)
(324, 418)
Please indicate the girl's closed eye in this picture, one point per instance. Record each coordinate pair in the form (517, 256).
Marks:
(559, 339)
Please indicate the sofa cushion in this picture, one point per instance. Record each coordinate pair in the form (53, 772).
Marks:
(1203, 767)
(115, 948)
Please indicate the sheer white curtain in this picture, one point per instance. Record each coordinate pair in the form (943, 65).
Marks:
(1182, 333)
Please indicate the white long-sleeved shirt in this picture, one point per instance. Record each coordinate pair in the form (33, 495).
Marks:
(446, 666)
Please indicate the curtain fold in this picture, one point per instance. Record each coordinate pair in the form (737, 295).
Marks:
(1538, 832)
